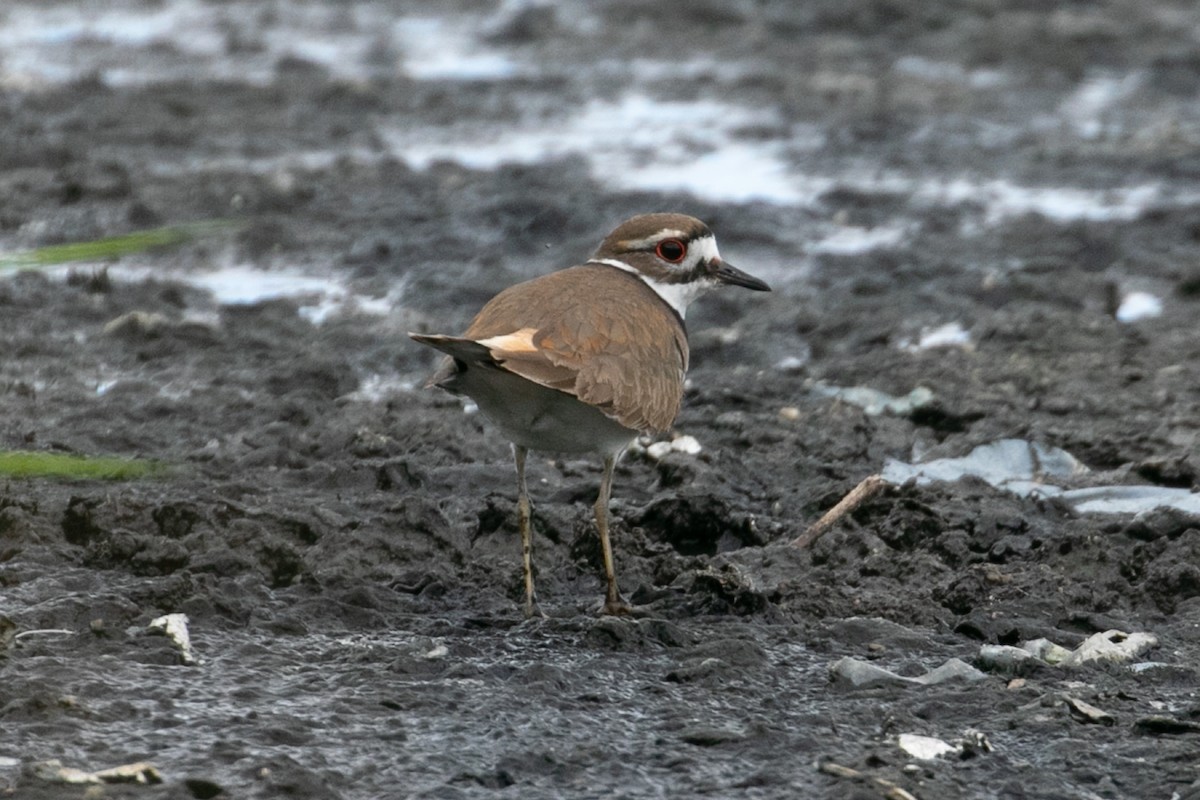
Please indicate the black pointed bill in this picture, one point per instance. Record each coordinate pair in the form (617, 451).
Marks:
(727, 273)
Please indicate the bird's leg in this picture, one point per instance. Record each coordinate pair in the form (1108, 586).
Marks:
(523, 523)
(613, 604)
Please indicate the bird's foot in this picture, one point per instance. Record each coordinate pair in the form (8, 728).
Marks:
(533, 610)
(617, 608)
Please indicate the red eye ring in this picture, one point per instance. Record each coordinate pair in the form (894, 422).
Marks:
(671, 250)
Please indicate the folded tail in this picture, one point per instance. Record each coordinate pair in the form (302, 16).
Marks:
(455, 346)
(516, 354)
(461, 351)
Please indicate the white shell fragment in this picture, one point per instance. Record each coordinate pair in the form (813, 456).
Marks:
(659, 450)
(791, 363)
(686, 444)
(1114, 647)
(141, 772)
(1003, 657)
(136, 323)
(874, 402)
(859, 673)
(1046, 650)
(175, 626)
(681, 444)
(925, 748)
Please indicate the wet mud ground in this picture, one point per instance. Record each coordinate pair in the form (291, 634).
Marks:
(344, 542)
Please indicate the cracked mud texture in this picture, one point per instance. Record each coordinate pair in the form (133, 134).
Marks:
(344, 545)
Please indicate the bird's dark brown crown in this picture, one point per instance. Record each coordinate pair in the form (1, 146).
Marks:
(669, 248)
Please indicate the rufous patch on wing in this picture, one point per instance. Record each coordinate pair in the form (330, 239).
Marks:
(511, 344)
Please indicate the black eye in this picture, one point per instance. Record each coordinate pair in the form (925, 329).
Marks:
(671, 250)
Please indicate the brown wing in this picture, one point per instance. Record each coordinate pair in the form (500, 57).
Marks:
(597, 333)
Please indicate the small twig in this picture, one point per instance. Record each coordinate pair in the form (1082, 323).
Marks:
(868, 488)
(45, 632)
(889, 789)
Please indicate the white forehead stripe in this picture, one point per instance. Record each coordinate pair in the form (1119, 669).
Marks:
(703, 249)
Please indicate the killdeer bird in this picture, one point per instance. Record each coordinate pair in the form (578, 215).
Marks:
(584, 359)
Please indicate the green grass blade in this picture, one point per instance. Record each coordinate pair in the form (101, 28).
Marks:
(26, 464)
(112, 247)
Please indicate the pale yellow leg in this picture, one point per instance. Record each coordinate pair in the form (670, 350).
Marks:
(524, 513)
(613, 604)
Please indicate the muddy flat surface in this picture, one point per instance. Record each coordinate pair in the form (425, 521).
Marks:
(994, 204)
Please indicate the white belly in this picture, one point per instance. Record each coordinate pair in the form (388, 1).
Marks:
(542, 419)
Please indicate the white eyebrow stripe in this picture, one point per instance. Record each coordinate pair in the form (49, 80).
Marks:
(649, 241)
(701, 250)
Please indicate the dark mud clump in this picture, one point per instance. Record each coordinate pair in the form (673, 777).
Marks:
(343, 542)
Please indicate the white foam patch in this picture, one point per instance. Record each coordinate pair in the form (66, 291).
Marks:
(322, 297)
(640, 142)
(42, 45)
(438, 48)
(233, 286)
(636, 142)
(733, 171)
(1000, 200)
(1011, 464)
(1139, 305)
(375, 388)
(1030, 469)
(650, 70)
(1131, 499)
(71, 24)
(949, 72)
(279, 166)
(874, 402)
(848, 240)
(327, 296)
(952, 334)
(1003, 200)
(1086, 109)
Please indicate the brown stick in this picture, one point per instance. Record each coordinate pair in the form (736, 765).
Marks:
(868, 488)
(889, 790)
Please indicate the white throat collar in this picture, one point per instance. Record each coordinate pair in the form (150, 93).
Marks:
(677, 295)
